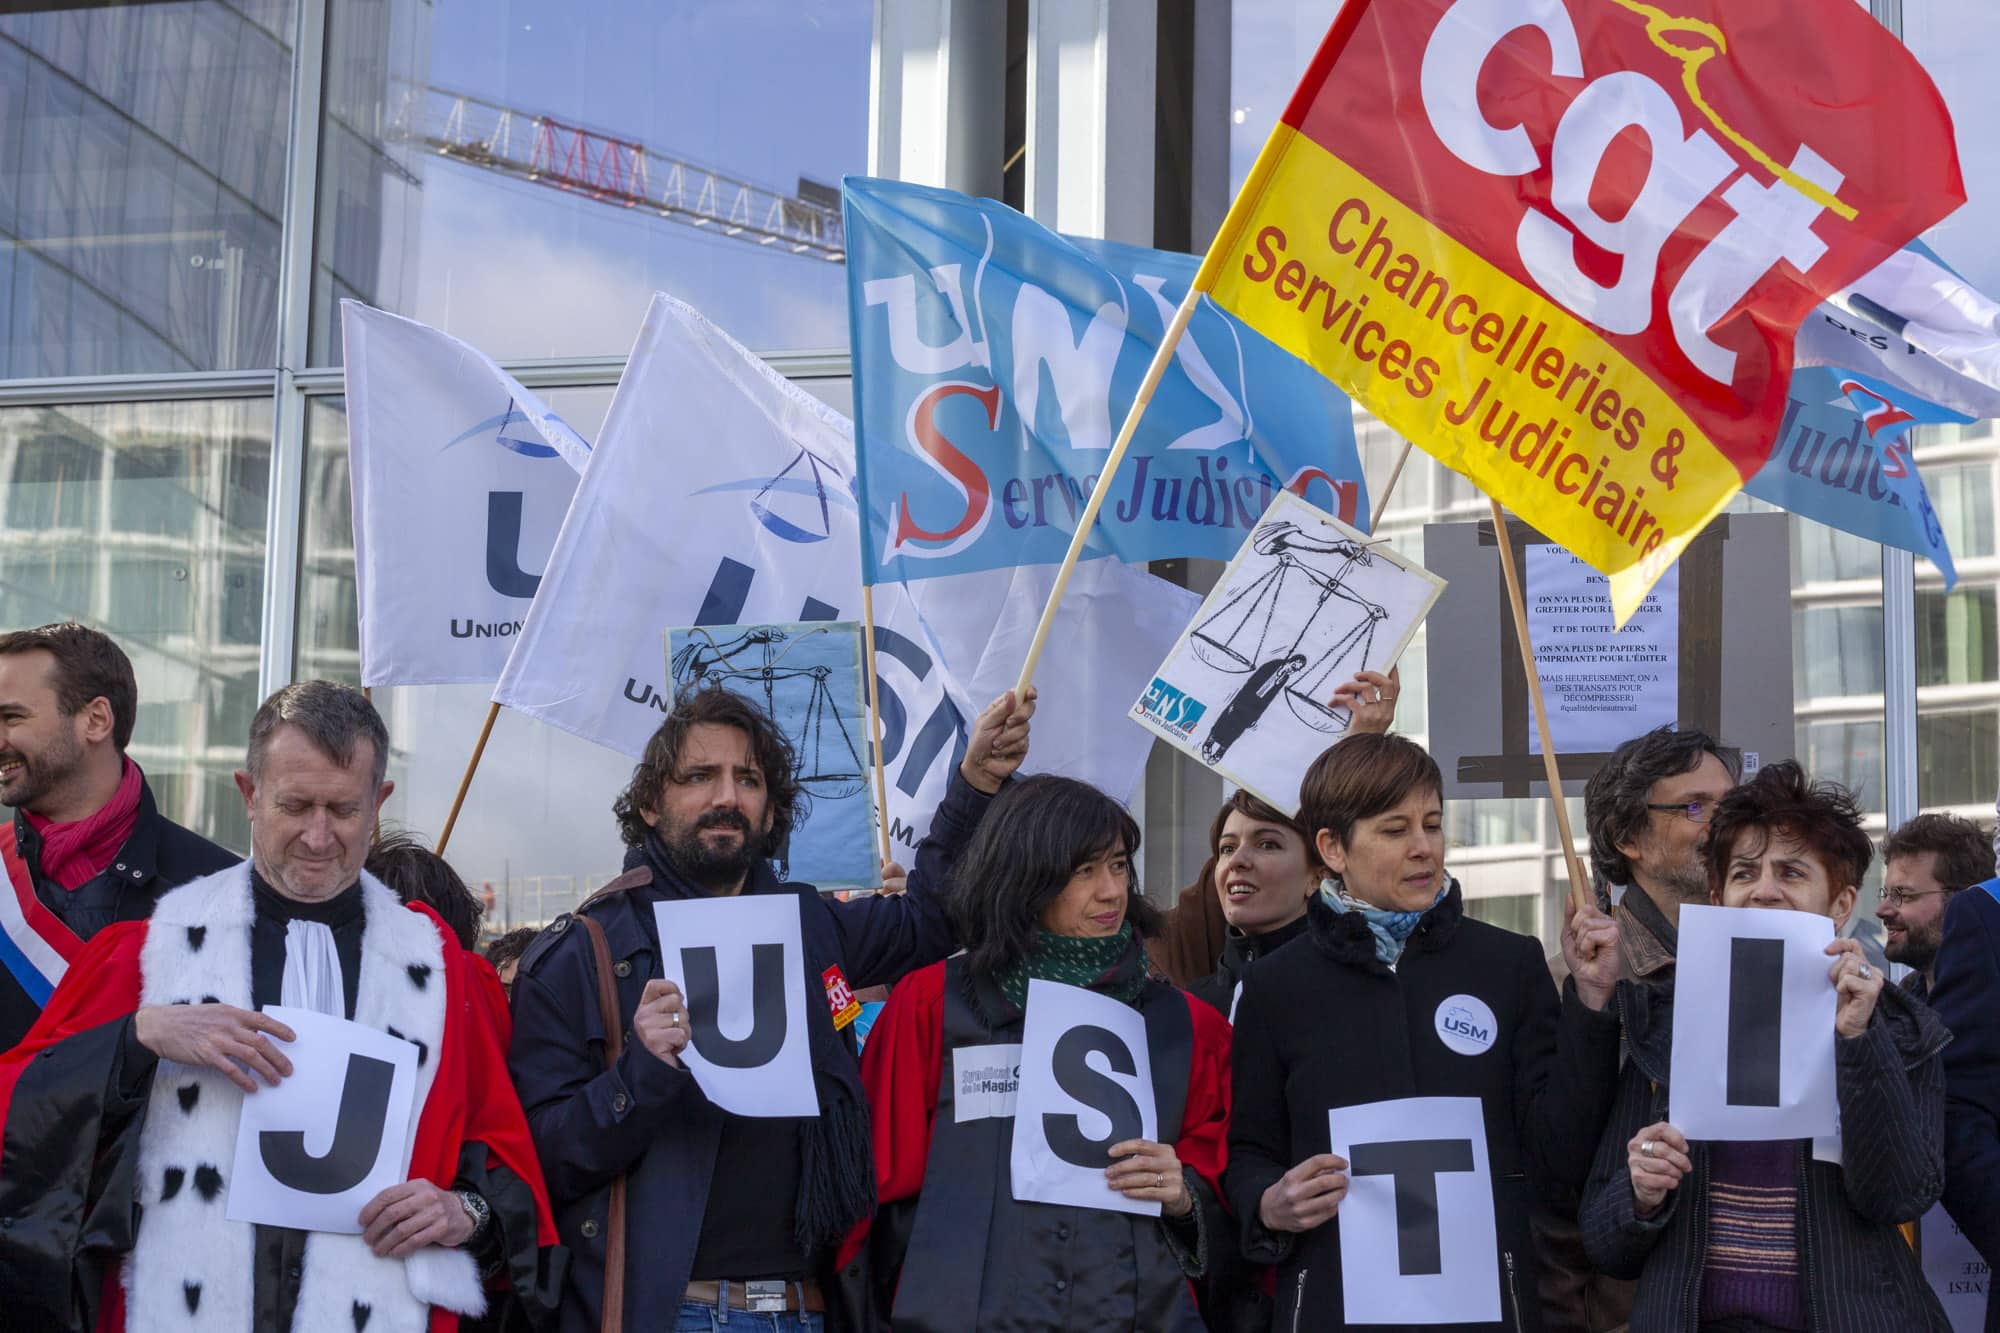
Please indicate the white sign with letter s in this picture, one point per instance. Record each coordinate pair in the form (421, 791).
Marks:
(1086, 1084)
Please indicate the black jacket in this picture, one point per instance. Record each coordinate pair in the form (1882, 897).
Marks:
(1322, 1023)
(158, 855)
(1967, 1000)
(1239, 950)
(645, 1119)
(1860, 1275)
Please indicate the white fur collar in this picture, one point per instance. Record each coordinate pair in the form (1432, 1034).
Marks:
(191, 1268)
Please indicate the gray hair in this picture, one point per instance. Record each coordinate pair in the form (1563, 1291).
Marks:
(332, 716)
(1614, 800)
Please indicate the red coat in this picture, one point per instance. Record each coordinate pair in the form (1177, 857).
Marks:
(902, 1062)
(471, 1098)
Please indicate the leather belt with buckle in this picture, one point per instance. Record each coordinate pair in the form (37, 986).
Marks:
(773, 1297)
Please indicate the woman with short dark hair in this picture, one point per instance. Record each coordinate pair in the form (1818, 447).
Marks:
(1758, 1236)
(1046, 891)
(1389, 949)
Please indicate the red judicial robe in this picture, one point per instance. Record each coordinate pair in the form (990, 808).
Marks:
(73, 1140)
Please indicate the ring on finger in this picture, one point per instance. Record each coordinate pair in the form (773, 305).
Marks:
(1646, 1148)
(1866, 972)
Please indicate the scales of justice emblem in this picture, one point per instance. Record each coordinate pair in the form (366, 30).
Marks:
(1295, 630)
(829, 762)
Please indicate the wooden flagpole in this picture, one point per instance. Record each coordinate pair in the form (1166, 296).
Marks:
(1579, 883)
(1088, 519)
(465, 783)
(374, 833)
(1382, 501)
(875, 713)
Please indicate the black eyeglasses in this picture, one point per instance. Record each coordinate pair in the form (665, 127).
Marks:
(1695, 812)
(1904, 897)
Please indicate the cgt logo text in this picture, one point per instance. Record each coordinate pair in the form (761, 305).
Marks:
(1171, 707)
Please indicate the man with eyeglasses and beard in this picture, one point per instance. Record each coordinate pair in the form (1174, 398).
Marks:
(1646, 811)
(668, 1204)
(1924, 864)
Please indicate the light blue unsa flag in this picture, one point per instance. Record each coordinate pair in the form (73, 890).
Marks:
(1843, 459)
(994, 361)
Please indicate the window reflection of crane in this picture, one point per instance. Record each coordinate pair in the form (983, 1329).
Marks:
(620, 172)
(1336, 624)
(829, 763)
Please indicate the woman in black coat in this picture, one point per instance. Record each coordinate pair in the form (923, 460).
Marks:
(1369, 1005)
(1756, 1237)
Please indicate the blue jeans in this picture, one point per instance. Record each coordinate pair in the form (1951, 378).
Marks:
(701, 1317)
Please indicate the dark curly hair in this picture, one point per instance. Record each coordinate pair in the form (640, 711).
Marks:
(1823, 817)
(1964, 852)
(711, 704)
(1614, 800)
(1033, 838)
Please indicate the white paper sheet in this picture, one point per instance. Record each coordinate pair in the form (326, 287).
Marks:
(1086, 1083)
(1955, 1271)
(1417, 1234)
(1753, 1025)
(313, 1151)
(985, 1081)
(1603, 685)
(741, 964)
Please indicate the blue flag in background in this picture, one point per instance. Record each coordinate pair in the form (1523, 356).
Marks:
(1842, 460)
(994, 362)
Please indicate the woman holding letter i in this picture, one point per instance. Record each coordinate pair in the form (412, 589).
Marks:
(1046, 892)
(1393, 993)
(1750, 1236)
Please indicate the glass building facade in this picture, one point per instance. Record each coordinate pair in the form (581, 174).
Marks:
(188, 189)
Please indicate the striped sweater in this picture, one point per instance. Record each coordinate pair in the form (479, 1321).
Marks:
(1753, 1255)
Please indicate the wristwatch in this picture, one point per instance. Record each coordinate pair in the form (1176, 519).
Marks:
(476, 1209)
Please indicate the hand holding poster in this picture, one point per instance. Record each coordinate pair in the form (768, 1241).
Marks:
(740, 964)
(1416, 1227)
(1086, 1084)
(807, 677)
(1753, 1025)
(314, 1150)
(1306, 603)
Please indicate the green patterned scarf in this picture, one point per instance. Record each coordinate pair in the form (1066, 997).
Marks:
(1113, 965)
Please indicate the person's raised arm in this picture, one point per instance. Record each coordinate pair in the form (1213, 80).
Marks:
(883, 938)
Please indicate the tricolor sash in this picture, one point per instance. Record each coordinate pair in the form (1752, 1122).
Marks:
(35, 946)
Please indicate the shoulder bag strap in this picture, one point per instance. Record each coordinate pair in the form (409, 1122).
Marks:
(614, 1046)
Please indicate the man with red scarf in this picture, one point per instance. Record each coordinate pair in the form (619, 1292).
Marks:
(119, 1112)
(87, 846)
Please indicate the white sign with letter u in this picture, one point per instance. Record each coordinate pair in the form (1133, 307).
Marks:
(740, 964)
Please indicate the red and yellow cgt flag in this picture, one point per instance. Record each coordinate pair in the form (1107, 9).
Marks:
(1563, 245)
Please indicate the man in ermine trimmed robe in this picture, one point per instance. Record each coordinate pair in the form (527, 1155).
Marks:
(121, 1106)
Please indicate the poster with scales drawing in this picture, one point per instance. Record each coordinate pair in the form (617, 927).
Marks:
(1306, 603)
(807, 676)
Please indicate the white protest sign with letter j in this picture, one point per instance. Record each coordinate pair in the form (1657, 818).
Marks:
(741, 965)
(1416, 1228)
(1753, 1025)
(314, 1150)
(1086, 1083)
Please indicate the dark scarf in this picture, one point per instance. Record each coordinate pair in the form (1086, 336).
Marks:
(1240, 949)
(836, 1154)
(1113, 965)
